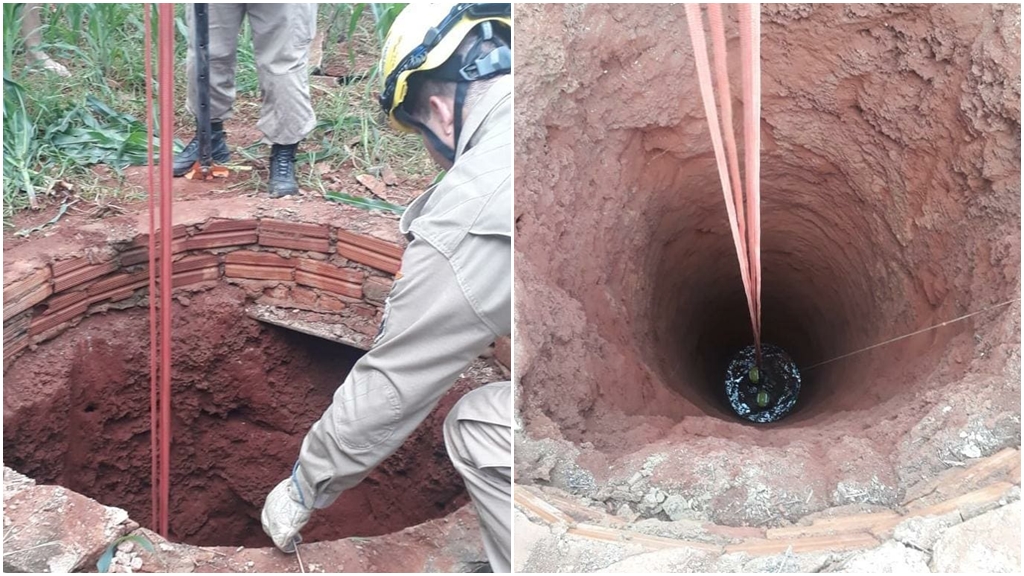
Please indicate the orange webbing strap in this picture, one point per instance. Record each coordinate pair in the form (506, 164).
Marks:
(725, 104)
(745, 222)
(750, 48)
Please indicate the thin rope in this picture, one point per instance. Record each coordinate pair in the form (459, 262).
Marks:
(915, 333)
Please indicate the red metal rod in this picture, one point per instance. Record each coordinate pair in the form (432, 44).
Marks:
(166, 72)
(153, 406)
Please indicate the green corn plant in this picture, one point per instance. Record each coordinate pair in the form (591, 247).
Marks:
(383, 17)
(20, 148)
(13, 42)
(97, 134)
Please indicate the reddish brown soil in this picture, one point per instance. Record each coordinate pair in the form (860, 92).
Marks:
(76, 412)
(890, 202)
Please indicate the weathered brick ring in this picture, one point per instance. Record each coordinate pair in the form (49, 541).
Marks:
(301, 265)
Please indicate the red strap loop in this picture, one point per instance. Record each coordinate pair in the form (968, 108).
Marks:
(744, 221)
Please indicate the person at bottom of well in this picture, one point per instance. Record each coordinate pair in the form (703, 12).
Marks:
(446, 72)
(281, 35)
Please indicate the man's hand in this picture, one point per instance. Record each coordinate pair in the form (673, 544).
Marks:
(284, 515)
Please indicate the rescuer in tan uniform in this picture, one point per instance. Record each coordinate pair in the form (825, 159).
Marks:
(281, 36)
(447, 77)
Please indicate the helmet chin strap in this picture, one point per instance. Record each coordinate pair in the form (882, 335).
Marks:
(439, 146)
(474, 67)
(462, 72)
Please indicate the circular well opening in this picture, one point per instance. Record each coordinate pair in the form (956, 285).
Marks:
(76, 413)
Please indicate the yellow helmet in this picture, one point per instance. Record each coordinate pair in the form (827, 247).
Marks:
(423, 37)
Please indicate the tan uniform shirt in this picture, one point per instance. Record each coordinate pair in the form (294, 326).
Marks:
(453, 298)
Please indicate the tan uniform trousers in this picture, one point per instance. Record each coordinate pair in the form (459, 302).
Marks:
(281, 37)
(480, 450)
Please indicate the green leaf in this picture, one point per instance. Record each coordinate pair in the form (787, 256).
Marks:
(353, 22)
(364, 203)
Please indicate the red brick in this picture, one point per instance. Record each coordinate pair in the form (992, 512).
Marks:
(44, 323)
(258, 259)
(64, 300)
(329, 270)
(82, 275)
(17, 346)
(305, 296)
(177, 244)
(287, 303)
(186, 278)
(257, 272)
(15, 328)
(221, 240)
(294, 228)
(62, 267)
(135, 256)
(329, 284)
(214, 226)
(254, 288)
(371, 259)
(275, 240)
(195, 262)
(31, 283)
(112, 295)
(365, 311)
(330, 303)
(376, 289)
(371, 244)
(135, 279)
(41, 293)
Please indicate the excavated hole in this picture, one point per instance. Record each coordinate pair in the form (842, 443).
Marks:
(889, 204)
(817, 299)
(76, 413)
(822, 293)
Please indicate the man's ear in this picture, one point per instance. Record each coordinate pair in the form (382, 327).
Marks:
(443, 112)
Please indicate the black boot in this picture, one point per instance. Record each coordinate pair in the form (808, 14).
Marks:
(282, 170)
(184, 160)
